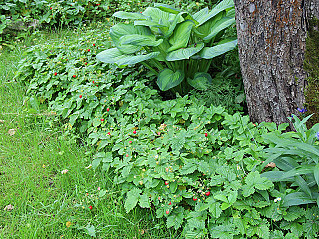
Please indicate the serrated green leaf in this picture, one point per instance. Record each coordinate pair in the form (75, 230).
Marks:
(132, 198)
(215, 209)
(175, 220)
(294, 213)
(144, 201)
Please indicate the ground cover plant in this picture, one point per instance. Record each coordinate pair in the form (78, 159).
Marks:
(197, 166)
(48, 189)
(198, 170)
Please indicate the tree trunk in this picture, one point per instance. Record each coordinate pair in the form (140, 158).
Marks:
(272, 41)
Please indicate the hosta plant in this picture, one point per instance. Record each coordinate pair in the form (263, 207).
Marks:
(176, 46)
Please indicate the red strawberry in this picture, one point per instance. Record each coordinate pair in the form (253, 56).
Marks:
(109, 133)
(194, 199)
(126, 155)
(90, 207)
(55, 73)
(170, 203)
(130, 142)
(108, 109)
(206, 134)
(74, 76)
(102, 120)
(93, 82)
(85, 63)
(89, 50)
(93, 44)
(134, 132)
(166, 183)
(50, 8)
(167, 212)
(80, 96)
(207, 193)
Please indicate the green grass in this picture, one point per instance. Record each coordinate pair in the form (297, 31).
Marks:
(47, 203)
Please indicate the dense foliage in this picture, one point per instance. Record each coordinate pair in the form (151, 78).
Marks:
(196, 165)
(177, 44)
(21, 14)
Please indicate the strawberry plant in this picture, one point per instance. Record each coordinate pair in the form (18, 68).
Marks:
(179, 45)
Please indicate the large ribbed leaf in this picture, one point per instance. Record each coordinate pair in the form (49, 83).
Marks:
(113, 55)
(202, 14)
(225, 4)
(205, 29)
(130, 15)
(140, 40)
(168, 79)
(131, 60)
(177, 19)
(167, 8)
(148, 23)
(219, 26)
(181, 35)
(185, 53)
(201, 81)
(121, 29)
(109, 55)
(211, 52)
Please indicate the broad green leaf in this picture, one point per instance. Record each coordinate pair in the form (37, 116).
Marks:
(180, 36)
(201, 81)
(167, 8)
(211, 52)
(297, 198)
(113, 55)
(148, 23)
(202, 14)
(205, 29)
(177, 19)
(316, 173)
(160, 17)
(303, 185)
(132, 198)
(303, 169)
(140, 40)
(168, 79)
(184, 53)
(130, 15)
(274, 176)
(223, 5)
(121, 29)
(219, 26)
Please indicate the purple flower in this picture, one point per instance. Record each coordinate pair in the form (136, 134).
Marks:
(302, 110)
(317, 135)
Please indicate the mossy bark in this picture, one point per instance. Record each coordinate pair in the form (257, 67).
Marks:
(311, 65)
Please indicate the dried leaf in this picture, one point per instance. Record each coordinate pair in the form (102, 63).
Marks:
(1, 121)
(8, 208)
(11, 132)
(68, 224)
(271, 165)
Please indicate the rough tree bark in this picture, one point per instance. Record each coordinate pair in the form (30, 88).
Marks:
(272, 41)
